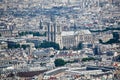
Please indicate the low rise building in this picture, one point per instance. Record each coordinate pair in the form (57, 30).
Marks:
(6, 33)
(3, 45)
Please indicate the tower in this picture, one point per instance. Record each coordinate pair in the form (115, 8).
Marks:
(41, 25)
(54, 32)
(98, 3)
(51, 32)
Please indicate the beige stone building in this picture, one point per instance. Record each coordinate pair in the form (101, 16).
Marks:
(6, 33)
(70, 39)
(3, 45)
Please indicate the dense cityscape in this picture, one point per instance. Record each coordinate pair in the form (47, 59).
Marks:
(59, 39)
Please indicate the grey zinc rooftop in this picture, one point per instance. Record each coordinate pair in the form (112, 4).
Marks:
(69, 33)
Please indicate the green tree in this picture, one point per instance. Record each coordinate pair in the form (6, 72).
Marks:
(51, 56)
(115, 35)
(118, 23)
(25, 46)
(36, 34)
(45, 34)
(17, 46)
(30, 32)
(64, 48)
(88, 59)
(117, 58)
(47, 44)
(14, 45)
(80, 46)
(59, 62)
(100, 41)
